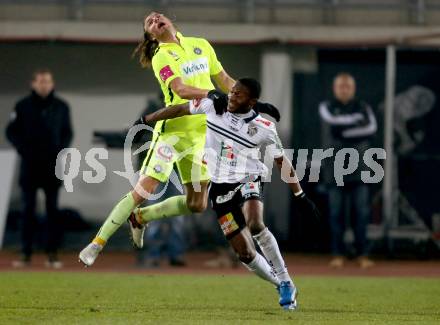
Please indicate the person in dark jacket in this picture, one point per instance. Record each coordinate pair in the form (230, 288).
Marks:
(347, 122)
(40, 127)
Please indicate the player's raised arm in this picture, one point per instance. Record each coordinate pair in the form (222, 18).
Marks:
(167, 113)
(195, 106)
(224, 81)
(186, 91)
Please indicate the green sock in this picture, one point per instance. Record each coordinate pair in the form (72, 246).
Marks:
(117, 217)
(172, 207)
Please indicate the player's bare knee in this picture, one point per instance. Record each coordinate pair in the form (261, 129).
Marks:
(144, 187)
(256, 226)
(196, 206)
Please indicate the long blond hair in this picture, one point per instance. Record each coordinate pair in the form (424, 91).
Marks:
(145, 50)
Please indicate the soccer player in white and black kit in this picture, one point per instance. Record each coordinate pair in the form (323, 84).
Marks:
(234, 139)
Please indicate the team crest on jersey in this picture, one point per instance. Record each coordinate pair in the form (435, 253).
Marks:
(252, 129)
(197, 50)
(165, 153)
(174, 55)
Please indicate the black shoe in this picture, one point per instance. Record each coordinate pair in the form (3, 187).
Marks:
(178, 262)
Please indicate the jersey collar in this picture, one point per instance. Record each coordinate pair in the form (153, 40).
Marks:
(179, 36)
(250, 118)
(236, 121)
(247, 117)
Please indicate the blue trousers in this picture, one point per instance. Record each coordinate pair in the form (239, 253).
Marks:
(351, 197)
(166, 235)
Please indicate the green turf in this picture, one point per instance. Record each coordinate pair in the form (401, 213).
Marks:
(92, 298)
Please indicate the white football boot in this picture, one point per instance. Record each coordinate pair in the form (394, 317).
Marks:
(89, 254)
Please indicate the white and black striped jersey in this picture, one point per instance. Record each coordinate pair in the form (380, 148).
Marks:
(234, 141)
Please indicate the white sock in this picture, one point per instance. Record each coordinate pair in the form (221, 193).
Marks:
(261, 268)
(271, 251)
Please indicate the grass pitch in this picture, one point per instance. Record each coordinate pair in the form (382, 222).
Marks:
(96, 298)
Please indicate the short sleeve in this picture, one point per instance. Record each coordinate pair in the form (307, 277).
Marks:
(215, 67)
(164, 68)
(201, 106)
(273, 142)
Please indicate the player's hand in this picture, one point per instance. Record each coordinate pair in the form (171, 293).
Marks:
(142, 121)
(220, 101)
(306, 206)
(142, 135)
(268, 109)
(139, 121)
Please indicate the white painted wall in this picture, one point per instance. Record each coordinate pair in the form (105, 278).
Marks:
(97, 112)
(276, 82)
(8, 159)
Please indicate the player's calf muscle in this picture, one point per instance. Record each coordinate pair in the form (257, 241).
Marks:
(243, 247)
(246, 256)
(256, 226)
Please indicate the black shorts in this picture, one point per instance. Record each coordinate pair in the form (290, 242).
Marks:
(227, 201)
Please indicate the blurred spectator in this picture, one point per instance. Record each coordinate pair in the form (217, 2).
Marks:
(39, 128)
(164, 235)
(347, 123)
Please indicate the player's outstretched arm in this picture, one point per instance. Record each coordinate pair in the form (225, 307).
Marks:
(187, 91)
(288, 174)
(167, 113)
